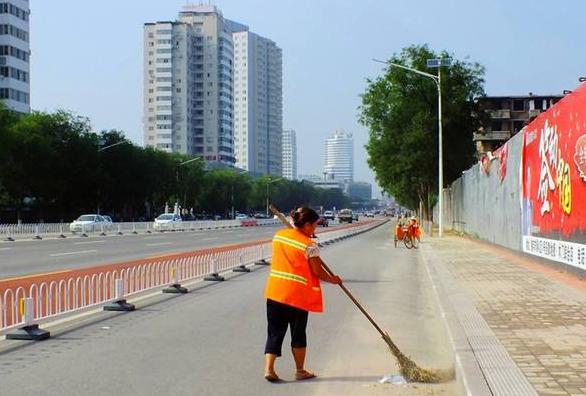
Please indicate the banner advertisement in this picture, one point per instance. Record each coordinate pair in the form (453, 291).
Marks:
(554, 182)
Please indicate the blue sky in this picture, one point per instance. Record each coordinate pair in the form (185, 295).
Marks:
(87, 55)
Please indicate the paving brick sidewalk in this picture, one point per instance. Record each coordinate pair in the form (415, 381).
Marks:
(534, 312)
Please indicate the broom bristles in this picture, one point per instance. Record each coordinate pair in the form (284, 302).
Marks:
(412, 372)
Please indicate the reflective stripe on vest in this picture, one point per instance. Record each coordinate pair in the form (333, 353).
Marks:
(288, 276)
(290, 242)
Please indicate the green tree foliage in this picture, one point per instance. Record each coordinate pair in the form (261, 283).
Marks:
(53, 168)
(400, 110)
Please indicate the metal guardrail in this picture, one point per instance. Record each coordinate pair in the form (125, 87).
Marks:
(67, 295)
(8, 232)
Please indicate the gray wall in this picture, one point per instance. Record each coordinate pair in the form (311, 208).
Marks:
(480, 205)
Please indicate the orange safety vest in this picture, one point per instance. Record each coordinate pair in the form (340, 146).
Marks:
(291, 281)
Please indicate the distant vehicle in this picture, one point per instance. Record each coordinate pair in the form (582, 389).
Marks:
(369, 214)
(345, 216)
(108, 221)
(355, 216)
(168, 221)
(323, 221)
(328, 214)
(89, 223)
(261, 215)
(241, 216)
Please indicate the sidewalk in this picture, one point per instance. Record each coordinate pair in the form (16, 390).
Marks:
(524, 323)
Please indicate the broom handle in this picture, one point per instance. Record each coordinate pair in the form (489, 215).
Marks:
(284, 220)
(355, 301)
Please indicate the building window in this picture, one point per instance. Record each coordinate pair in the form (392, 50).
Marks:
(518, 105)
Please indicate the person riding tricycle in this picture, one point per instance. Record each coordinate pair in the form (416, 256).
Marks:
(408, 231)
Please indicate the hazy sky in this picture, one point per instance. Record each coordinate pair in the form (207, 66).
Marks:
(87, 55)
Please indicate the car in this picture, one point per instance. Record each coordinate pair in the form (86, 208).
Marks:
(328, 214)
(323, 221)
(241, 216)
(89, 223)
(168, 221)
(109, 222)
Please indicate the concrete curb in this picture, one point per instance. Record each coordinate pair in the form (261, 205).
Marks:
(482, 364)
(469, 376)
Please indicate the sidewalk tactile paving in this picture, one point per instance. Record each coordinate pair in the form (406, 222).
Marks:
(540, 322)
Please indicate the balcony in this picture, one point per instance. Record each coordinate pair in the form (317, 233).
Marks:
(500, 114)
(534, 113)
(492, 135)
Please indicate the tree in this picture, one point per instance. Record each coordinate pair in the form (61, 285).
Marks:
(400, 111)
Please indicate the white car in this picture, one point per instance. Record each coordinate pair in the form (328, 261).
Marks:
(241, 216)
(328, 214)
(168, 221)
(89, 223)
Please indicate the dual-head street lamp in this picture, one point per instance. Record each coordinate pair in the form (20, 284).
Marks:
(433, 63)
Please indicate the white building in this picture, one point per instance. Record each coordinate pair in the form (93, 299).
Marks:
(15, 55)
(258, 102)
(188, 69)
(339, 164)
(289, 154)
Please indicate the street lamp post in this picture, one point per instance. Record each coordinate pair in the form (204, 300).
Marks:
(232, 194)
(433, 63)
(100, 149)
(177, 175)
(269, 181)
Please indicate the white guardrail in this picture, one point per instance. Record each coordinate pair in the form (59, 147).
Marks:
(69, 294)
(8, 232)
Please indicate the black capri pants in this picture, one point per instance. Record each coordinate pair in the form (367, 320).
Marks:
(279, 316)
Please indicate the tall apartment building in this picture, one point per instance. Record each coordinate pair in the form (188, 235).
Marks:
(339, 164)
(507, 115)
(289, 154)
(188, 69)
(258, 102)
(15, 55)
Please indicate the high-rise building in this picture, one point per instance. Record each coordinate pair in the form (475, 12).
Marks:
(258, 102)
(188, 69)
(14, 55)
(339, 164)
(289, 154)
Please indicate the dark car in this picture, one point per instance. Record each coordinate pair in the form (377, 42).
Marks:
(323, 221)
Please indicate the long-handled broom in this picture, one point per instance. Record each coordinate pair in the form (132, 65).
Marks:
(408, 368)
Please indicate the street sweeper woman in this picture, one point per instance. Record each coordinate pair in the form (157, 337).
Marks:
(293, 289)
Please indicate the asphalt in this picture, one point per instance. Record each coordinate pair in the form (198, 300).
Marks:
(25, 257)
(210, 341)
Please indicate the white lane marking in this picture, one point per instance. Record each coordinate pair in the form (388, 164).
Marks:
(68, 253)
(159, 244)
(209, 239)
(88, 242)
(2, 249)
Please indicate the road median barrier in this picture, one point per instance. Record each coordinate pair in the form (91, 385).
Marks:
(63, 293)
(30, 331)
(214, 276)
(176, 287)
(119, 303)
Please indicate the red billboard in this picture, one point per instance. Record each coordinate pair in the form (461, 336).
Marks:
(554, 182)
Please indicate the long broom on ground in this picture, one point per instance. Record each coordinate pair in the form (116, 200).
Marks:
(408, 368)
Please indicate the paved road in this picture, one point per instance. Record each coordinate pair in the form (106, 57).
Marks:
(27, 257)
(210, 341)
